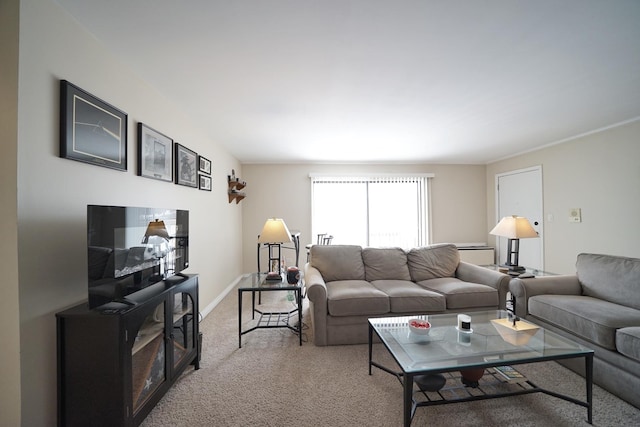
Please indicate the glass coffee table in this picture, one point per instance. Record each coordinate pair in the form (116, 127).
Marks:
(493, 345)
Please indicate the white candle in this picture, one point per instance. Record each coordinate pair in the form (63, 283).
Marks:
(464, 322)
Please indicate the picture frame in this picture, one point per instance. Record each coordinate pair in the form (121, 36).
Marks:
(204, 165)
(91, 130)
(205, 182)
(155, 154)
(186, 169)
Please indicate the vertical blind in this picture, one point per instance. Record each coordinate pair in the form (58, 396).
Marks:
(380, 210)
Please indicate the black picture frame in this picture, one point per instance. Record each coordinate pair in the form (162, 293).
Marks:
(91, 130)
(204, 165)
(155, 154)
(185, 166)
(204, 182)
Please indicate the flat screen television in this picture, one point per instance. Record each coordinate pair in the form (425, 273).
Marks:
(131, 248)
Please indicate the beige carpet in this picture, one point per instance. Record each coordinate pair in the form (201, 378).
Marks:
(272, 381)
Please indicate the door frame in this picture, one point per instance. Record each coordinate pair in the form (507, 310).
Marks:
(541, 201)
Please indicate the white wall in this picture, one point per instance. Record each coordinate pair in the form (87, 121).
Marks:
(598, 173)
(9, 303)
(53, 192)
(458, 197)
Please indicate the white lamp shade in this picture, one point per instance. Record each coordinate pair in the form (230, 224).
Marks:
(274, 231)
(514, 227)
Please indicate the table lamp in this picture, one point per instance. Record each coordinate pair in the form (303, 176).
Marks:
(274, 233)
(514, 228)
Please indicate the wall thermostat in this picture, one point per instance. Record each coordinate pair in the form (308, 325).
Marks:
(575, 215)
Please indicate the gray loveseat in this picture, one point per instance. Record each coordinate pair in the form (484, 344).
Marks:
(598, 307)
(346, 285)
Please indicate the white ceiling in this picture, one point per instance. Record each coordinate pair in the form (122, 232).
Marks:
(438, 81)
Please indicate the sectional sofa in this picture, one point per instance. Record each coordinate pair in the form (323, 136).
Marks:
(348, 284)
(598, 307)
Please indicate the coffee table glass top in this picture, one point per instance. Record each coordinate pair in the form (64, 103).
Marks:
(492, 343)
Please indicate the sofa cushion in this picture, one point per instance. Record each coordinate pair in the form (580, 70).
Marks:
(431, 262)
(351, 297)
(407, 297)
(628, 342)
(385, 263)
(338, 262)
(591, 318)
(460, 294)
(611, 278)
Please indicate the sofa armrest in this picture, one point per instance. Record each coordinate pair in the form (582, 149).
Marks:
(523, 289)
(316, 290)
(477, 274)
(315, 287)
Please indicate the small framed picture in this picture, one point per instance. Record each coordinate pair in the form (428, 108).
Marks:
(205, 182)
(91, 130)
(204, 165)
(186, 167)
(155, 154)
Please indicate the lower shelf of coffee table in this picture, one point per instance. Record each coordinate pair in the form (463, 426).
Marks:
(491, 385)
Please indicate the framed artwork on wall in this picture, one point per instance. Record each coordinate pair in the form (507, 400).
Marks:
(186, 167)
(91, 130)
(205, 182)
(204, 165)
(155, 154)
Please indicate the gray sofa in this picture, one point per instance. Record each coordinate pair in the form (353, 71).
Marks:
(598, 307)
(346, 285)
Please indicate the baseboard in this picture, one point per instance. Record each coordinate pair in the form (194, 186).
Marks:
(209, 308)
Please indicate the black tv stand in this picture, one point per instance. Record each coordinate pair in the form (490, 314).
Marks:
(176, 279)
(116, 362)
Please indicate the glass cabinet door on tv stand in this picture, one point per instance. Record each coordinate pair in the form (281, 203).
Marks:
(183, 334)
(148, 365)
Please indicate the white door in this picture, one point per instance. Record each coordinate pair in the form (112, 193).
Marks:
(520, 193)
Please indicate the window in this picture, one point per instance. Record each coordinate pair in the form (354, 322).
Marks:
(379, 211)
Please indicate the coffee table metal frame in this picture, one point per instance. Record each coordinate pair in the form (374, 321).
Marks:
(481, 359)
(256, 282)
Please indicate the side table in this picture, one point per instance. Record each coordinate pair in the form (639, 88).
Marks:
(256, 282)
(528, 273)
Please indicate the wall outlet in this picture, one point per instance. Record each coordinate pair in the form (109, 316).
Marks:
(575, 215)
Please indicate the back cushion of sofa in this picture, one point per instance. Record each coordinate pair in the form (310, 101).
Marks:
(611, 278)
(432, 262)
(385, 264)
(338, 262)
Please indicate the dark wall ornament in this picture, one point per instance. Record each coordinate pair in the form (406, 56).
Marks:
(186, 166)
(91, 130)
(155, 154)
